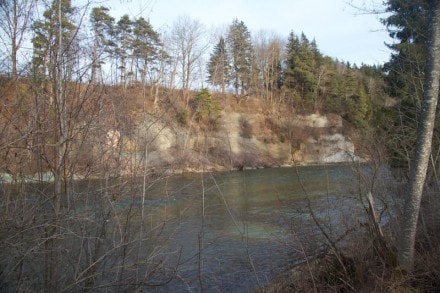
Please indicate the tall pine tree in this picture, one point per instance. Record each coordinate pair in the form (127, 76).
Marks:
(146, 46)
(123, 47)
(47, 34)
(241, 54)
(102, 25)
(218, 66)
(300, 75)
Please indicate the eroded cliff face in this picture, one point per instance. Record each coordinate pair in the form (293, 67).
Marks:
(250, 134)
(244, 140)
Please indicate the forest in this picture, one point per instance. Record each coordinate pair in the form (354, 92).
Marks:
(77, 86)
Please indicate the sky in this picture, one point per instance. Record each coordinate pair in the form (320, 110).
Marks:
(340, 30)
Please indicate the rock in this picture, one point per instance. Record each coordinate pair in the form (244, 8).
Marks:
(316, 139)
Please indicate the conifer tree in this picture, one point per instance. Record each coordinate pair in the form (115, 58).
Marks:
(241, 53)
(146, 45)
(102, 25)
(47, 34)
(358, 106)
(292, 49)
(405, 73)
(304, 69)
(218, 66)
(123, 47)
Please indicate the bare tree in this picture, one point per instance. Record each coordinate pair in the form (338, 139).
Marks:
(268, 56)
(187, 36)
(424, 142)
(157, 77)
(14, 19)
(68, 234)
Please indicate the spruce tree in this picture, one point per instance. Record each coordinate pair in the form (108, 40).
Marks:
(292, 48)
(241, 54)
(218, 66)
(301, 73)
(304, 70)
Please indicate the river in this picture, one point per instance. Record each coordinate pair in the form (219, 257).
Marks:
(212, 232)
(234, 232)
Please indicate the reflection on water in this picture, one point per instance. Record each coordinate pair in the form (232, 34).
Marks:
(235, 231)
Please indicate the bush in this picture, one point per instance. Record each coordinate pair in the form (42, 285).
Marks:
(207, 109)
(245, 128)
(182, 117)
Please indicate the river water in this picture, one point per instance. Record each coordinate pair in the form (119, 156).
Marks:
(235, 231)
(211, 232)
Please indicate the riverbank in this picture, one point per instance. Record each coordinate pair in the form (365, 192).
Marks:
(7, 178)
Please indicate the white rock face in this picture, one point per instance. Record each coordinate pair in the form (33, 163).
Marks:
(157, 135)
(340, 157)
(333, 148)
(321, 142)
(313, 120)
(163, 139)
(319, 121)
(337, 149)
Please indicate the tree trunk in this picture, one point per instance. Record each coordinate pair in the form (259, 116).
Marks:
(94, 57)
(14, 56)
(423, 147)
(14, 39)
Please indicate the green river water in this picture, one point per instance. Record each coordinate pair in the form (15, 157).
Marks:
(235, 231)
(211, 232)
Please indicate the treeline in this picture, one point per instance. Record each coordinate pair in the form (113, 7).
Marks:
(295, 72)
(101, 49)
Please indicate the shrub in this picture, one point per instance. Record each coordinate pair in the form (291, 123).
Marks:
(245, 128)
(182, 117)
(207, 109)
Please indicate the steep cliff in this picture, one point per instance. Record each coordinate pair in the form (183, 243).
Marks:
(249, 137)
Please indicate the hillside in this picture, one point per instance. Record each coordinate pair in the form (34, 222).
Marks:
(245, 133)
(130, 100)
(113, 129)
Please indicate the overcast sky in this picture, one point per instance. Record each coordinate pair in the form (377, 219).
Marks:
(340, 30)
